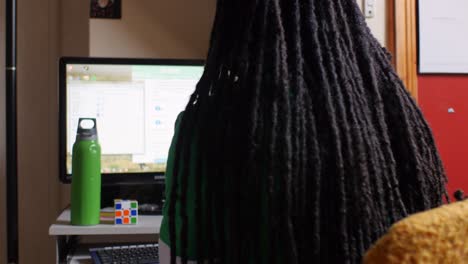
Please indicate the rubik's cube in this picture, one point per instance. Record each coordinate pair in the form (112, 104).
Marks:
(126, 212)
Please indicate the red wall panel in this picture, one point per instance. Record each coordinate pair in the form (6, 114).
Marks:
(438, 94)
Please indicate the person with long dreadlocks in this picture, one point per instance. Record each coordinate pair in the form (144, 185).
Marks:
(300, 143)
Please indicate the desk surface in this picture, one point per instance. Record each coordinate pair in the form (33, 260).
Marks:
(147, 225)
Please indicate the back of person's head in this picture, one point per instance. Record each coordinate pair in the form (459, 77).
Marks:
(308, 145)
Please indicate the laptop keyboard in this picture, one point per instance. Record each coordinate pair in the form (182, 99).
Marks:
(129, 254)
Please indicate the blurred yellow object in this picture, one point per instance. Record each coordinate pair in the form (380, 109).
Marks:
(436, 236)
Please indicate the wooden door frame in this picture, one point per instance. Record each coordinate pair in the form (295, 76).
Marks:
(402, 41)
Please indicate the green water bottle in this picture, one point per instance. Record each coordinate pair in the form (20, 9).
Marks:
(86, 175)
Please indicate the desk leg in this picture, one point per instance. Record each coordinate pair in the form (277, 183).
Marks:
(56, 250)
(64, 246)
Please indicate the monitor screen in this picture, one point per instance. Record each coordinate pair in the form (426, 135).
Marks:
(135, 104)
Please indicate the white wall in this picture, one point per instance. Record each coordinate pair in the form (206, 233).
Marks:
(172, 29)
(158, 29)
(74, 28)
(378, 24)
(46, 30)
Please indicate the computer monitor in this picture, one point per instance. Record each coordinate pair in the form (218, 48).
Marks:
(135, 103)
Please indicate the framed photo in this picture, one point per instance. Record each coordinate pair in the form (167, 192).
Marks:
(106, 9)
(442, 37)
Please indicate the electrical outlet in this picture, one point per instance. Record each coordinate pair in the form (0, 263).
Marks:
(369, 8)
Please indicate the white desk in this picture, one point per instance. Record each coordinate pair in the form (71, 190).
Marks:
(67, 235)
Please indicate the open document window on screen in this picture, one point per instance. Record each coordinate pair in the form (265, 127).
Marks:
(135, 103)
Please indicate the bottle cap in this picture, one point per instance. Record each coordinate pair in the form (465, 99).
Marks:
(87, 129)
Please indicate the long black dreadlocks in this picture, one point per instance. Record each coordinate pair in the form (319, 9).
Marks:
(308, 145)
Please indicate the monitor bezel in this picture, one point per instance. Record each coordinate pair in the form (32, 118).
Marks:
(107, 178)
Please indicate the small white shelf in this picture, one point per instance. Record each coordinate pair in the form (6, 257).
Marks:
(147, 225)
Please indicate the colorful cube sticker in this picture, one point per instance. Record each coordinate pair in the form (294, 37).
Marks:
(126, 212)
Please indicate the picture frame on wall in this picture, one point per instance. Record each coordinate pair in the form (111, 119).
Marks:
(442, 37)
(110, 9)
